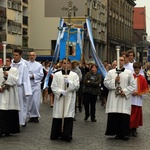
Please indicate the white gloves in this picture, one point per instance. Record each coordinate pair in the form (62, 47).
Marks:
(66, 80)
(64, 93)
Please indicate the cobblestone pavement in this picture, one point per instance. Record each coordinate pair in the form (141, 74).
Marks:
(86, 136)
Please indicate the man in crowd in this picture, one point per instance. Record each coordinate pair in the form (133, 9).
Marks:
(9, 102)
(64, 86)
(23, 83)
(127, 63)
(35, 74)
(118, 104)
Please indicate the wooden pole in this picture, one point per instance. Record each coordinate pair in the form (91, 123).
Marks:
(66, 68)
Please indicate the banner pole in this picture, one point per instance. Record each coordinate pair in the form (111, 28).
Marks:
(67, 50)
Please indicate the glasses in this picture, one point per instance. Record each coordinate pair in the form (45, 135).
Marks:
(121, 60)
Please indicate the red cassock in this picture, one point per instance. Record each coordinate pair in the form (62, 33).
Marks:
(136, 118)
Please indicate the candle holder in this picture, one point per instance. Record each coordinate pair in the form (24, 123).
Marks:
(4, 86)
(118, 87)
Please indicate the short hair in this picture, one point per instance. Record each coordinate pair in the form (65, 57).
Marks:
(122, 57)
(66, 59)
(92, 65)
(125, 53)
(46, 62)
(131, 51)
(8, 57)
(137, 65)
(18, 51)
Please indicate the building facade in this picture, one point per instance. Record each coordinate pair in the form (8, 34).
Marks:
(14, 24)
(141, 44)
(31, 25)
(120, 26)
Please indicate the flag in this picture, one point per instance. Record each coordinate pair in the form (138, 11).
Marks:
(95, 56)
(56, 52)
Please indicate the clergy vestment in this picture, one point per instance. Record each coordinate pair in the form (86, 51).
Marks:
(58, 86)
(129, 66)
(136, 118)
(117, 107)
(24, 89)
(35, 69)
(9, 103)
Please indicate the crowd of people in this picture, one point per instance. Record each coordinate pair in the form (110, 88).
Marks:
(72, 85)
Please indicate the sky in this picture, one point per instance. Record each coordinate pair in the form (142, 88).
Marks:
(146, 3)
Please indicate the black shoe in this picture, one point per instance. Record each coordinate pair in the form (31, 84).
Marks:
(125, 138)
(67, 139)
(7, 134)
(1, 134)
(86, 118)
(31, 120)
(134, 134)
(93, 120)
(36, 120)
(80, 109)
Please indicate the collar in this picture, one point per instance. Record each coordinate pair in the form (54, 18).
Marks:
(121, 70)
(6, 68)
(63, 72)
(16, 62)
(136, 75)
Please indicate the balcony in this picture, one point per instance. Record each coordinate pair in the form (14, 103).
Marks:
(2, 14)
(25, 31)
(25, 42)
(25, 20)
(2, 37)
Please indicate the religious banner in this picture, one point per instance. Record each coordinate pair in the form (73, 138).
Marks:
(97, 60)
(74, 44)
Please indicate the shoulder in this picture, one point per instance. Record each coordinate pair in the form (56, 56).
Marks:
(99, 75)
(128, 71)
(13, 69)
(73, 73)
(58, 72)
(38, 64)
(142, 77)
(111, 71)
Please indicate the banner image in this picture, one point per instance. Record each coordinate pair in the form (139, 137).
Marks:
(74, 44)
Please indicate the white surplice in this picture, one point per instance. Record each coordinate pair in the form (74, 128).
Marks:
(118, 104)
(24, 89)
(58, 86)
(36, 69)
(9, 98)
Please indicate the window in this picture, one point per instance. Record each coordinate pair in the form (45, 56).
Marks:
(9, 4)
(15, 6)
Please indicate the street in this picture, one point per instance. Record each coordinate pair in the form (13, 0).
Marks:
(86, 135)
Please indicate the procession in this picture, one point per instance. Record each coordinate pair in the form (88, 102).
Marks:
(87, 87)
(83, 109)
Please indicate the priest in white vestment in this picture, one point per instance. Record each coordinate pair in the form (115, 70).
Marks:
(35, 74)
